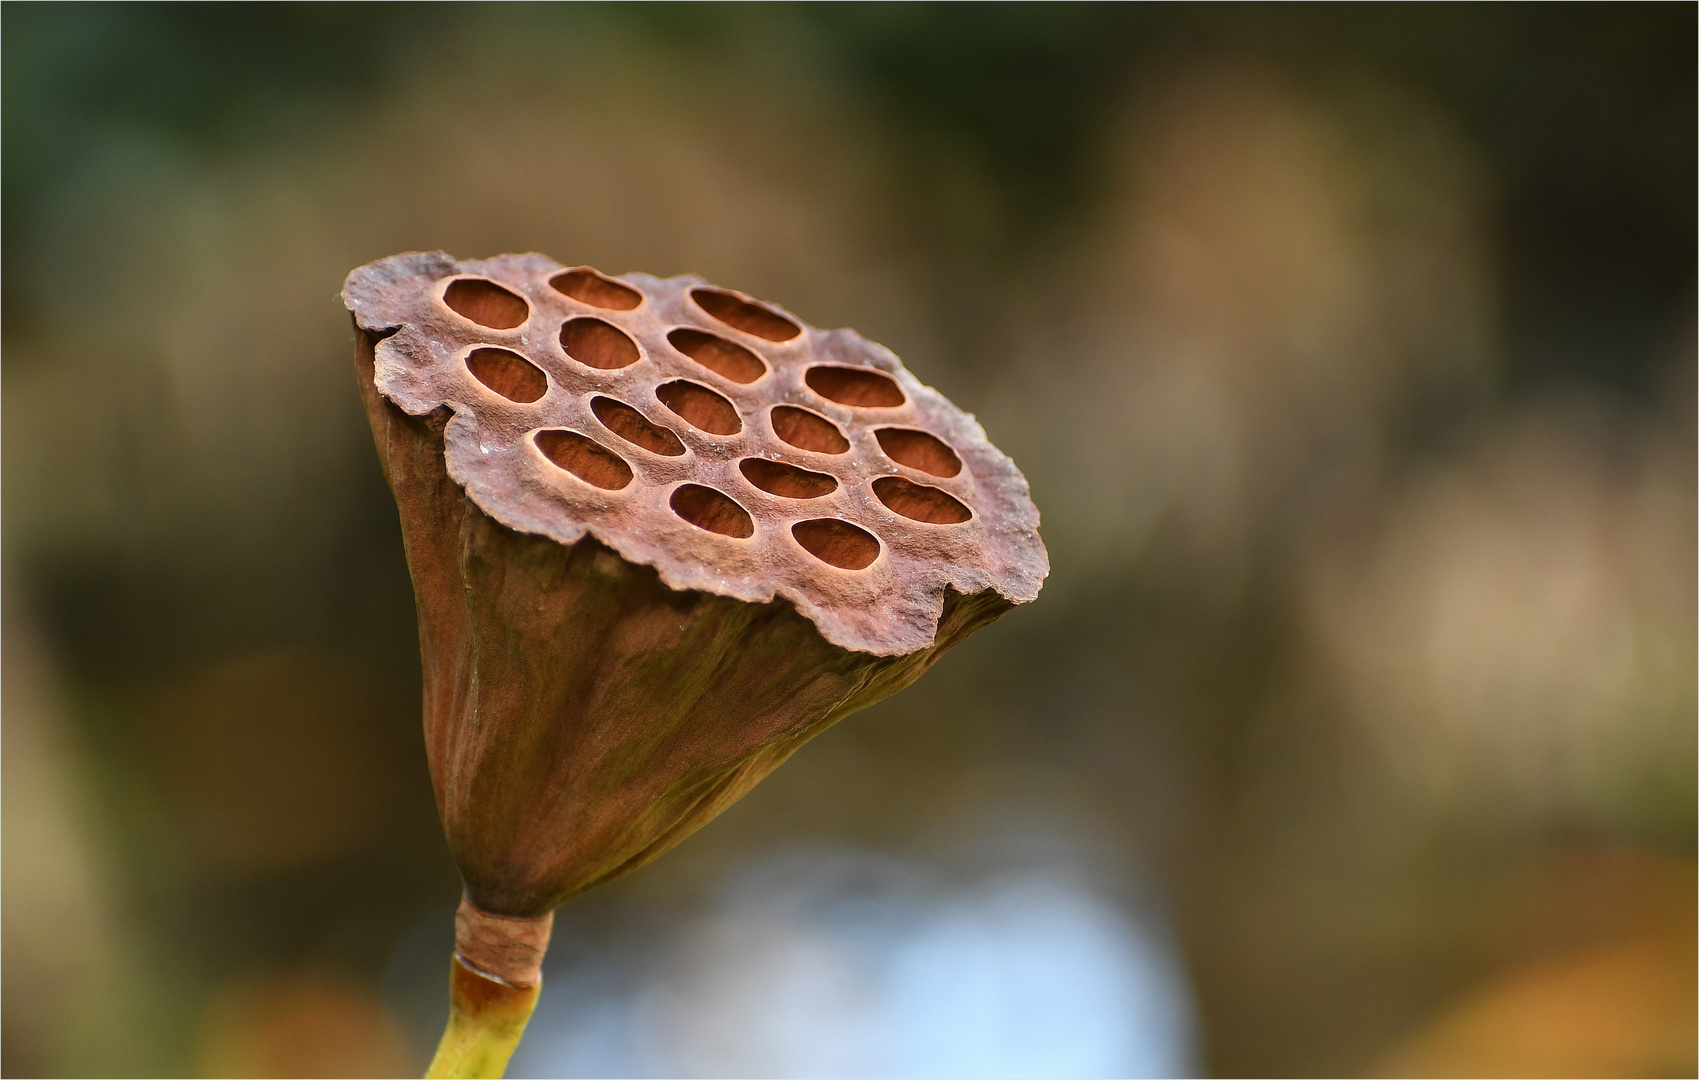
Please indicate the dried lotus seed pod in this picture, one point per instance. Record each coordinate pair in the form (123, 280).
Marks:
(660, 534)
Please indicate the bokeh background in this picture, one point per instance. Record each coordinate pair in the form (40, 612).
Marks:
(1350, 353)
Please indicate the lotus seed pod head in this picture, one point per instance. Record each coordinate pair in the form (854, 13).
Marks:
(660, 535)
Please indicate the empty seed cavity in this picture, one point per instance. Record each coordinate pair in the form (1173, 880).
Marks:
(787, 481)
(635, 428)
(808, 431)
(706, 508)
(508, 374)
(918, 502)
(585, 458)
(741, 314)
(588, 287)
(858, 386)
(718, 355)
(486, 303)
(700, 407)
(597, 344)
(837, 543)
(918, 450)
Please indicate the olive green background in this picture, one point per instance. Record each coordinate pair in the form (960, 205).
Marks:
(1349, 350)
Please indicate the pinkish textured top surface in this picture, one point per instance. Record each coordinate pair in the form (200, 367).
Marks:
(724, 442)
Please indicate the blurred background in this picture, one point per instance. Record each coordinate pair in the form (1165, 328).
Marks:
(1350, 353)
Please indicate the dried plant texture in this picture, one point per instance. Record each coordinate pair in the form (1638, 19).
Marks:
(733, 448)
(660, 535)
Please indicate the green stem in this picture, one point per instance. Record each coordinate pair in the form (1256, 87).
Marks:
(486, 1017)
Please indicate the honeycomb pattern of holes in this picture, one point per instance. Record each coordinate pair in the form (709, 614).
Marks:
(584, 458)
(918, 450)
(745, 315)
(486, 303)
(786, 481)
(807, 430)
(508, 374)
(700, 407)
(861, 387)
(588, 287)
(918, 502)
(708, 509)
(597, 344)
(837, 542)
(635, 428)
(718, 355)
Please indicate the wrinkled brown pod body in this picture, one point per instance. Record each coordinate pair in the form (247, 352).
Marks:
(660, 536)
